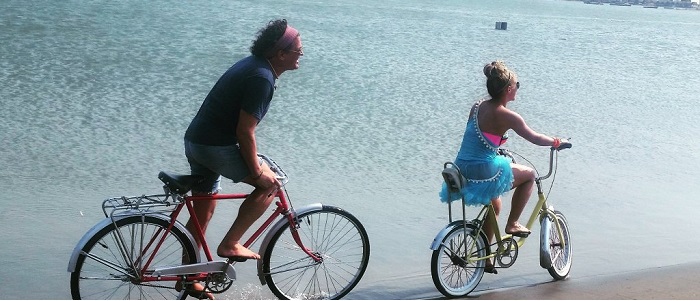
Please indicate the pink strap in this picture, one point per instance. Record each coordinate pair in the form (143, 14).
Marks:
(287, 39)
(495, 139)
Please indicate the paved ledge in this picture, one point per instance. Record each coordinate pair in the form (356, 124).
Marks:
(670, 282)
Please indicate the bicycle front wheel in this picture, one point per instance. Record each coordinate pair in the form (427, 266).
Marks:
(560, 248)
(331, 233)
(454, 275)
(110, 264)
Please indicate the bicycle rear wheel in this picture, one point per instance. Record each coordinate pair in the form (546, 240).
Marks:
(452, 274)
(561, 256)
(104, 269)
(333, 234)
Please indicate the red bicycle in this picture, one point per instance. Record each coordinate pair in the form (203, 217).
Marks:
(141, 251)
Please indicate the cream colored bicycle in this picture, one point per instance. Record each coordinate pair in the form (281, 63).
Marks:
(461, 249)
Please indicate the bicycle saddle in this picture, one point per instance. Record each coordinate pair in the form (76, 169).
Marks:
(180, 184)
(453, 177)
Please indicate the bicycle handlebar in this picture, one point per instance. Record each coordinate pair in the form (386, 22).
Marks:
(565, 144)
(280, 174)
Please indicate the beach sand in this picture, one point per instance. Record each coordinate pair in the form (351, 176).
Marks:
(670, 282)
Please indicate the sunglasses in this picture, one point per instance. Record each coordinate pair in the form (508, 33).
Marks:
(299, 51)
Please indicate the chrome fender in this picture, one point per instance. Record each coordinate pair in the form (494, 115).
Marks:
(107, 222)
(280, 223)
(545, 256)
(441, 235)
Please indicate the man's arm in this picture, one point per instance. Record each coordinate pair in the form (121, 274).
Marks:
(245, 132)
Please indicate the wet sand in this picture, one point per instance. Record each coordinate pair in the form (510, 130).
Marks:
(670, 282)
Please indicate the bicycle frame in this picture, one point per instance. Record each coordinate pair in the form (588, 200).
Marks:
(176, 273)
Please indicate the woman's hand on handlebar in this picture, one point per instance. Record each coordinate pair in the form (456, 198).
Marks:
(561, 143)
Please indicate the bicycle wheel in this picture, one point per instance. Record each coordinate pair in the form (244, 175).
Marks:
(104, 269)
(561, 256)
(452, 274)
(333, 234)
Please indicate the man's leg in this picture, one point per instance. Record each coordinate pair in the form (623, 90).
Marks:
(252, 208)
(203, 210)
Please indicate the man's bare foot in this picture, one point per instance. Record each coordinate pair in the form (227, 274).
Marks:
(239, 253)
(195, 290)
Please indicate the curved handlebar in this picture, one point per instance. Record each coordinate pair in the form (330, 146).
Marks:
(565, 144)
(280, 174)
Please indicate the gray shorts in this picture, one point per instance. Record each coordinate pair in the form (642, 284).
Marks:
(213, 162)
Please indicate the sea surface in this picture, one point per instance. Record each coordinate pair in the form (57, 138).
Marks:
(96, 95)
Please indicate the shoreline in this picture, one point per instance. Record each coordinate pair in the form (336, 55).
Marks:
(666, 282)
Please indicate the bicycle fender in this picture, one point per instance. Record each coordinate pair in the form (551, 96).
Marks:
(107, 222)
(441, 235)
(545, 256)
(280, 223)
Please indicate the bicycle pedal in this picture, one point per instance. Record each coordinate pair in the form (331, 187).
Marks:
(237, 259)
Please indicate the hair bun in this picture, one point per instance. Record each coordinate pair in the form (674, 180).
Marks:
(489, 70)
(494, 69)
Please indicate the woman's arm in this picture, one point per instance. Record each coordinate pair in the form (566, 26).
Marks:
(517, 123)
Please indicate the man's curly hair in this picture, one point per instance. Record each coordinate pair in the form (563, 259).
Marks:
(267, 37)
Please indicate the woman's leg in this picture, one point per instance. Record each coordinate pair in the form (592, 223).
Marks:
(488, 228)
(490, 233)
(523, 182)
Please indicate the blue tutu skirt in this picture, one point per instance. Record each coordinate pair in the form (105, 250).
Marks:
(485, 181)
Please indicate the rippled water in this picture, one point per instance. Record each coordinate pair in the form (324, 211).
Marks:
(96, 97)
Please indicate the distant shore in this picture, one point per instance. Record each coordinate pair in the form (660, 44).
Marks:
(645, 4)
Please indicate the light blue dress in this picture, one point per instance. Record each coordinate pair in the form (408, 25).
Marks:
(488, 174)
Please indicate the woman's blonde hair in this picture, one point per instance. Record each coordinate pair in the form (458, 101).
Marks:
(498, 78)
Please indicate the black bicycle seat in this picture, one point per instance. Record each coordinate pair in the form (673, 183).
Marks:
(180, 184)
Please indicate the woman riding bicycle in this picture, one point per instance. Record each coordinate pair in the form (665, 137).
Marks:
(489, 175)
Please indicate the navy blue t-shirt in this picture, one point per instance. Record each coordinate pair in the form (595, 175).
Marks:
(248, 85)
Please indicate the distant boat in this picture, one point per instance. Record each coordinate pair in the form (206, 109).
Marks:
(651, 6)
(593, 2)
(621, 4)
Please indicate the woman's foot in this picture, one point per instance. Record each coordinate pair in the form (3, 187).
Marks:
(239, 253)
(195, 290)
(518, 230)
(489, 268)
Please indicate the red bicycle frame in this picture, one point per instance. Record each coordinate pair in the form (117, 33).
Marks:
(283, 208)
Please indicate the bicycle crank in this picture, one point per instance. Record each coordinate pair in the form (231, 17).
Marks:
(507, 252)
(218, 282)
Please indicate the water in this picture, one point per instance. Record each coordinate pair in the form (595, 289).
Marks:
(96, 97)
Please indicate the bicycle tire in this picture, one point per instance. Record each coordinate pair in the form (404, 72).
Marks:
(330, 232)
(452, 275)
(561, 257)
(96, 281)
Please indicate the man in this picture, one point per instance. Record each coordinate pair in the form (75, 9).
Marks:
(220, 140)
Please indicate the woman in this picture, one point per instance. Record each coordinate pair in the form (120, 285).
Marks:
(489, 175)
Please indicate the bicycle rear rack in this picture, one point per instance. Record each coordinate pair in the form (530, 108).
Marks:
(141, 205)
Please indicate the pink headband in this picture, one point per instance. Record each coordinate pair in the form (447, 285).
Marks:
(287, 39)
